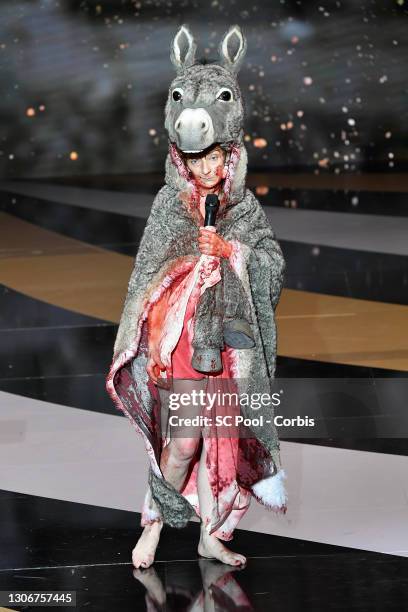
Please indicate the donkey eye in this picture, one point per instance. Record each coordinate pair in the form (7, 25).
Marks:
(177, 94)
(224, 94)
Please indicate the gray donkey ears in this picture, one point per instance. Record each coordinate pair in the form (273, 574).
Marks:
(183, 49)
(232, 49)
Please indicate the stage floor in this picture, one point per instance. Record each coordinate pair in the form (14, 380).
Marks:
(73, 471)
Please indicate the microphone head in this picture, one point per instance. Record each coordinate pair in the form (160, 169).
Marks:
(211, 199)
(211, 208)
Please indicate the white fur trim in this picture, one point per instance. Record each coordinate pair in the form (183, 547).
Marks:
(271, 491)
(149, 510)
(150, 515)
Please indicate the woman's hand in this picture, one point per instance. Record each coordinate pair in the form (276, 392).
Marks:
(211, 243)
(154, 363)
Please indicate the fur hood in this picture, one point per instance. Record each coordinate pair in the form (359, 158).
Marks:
(233, 188)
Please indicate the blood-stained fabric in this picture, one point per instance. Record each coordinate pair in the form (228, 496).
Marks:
(229, 499)
(168, 261)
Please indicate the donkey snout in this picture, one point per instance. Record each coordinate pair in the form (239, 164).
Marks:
(194, 130)
(193, 119)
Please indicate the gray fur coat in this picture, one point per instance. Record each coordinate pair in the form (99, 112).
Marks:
(168, 248)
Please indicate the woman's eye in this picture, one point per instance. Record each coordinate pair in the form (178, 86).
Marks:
(177, 94)
(225, 95)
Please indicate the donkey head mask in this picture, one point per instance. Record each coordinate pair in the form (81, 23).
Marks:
(205, 107)
(204, 104)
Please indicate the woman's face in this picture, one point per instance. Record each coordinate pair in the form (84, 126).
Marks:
(208, 170)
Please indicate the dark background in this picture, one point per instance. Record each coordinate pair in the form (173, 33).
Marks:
(91, 78)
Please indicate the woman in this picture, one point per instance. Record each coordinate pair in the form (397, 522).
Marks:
(194, 293)
(208, 172)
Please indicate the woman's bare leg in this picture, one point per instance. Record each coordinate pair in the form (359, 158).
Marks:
(210, 546)
(174, 464)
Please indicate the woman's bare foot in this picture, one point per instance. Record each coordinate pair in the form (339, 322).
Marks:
(144, 551)
(211, 547)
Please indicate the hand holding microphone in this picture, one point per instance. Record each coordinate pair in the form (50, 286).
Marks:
(209, 242)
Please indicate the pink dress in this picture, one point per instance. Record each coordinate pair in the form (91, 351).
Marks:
(231, 500)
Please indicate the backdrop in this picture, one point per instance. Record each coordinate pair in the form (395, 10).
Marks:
(84, 83)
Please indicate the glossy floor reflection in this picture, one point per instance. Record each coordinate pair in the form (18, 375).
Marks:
(65, 546)
(287, 584)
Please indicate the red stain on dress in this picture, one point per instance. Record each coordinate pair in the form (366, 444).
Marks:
(232, 462)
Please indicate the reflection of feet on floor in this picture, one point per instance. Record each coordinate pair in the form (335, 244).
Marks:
(152, 583)
(221, 590)
(144, 551)
(212, 572)
(211, 547)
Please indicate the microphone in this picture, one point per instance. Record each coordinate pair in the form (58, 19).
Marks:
(211, 208)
